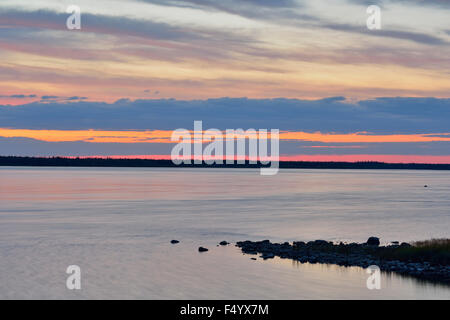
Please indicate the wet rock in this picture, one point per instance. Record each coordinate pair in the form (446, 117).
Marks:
(373, 241)
(174, 241)
(224, 243)
(202, 249)
(266, 256)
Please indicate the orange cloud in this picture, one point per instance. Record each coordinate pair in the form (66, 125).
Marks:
(363, 137)
(163, 136)
(95, 136)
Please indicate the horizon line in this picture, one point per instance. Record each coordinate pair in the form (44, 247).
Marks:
(151, 158)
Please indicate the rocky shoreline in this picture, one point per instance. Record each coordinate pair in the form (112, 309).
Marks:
(352, 254)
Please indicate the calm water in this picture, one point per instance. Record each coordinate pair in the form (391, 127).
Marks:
(116, 225)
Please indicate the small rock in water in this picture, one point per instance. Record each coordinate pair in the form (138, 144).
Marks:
(253, 258)
(425, 186)
(174, 241)
(201, 249)
(224, 243)
(373, 241)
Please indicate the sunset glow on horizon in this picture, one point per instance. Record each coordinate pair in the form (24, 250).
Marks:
(136, 70)
(164, 136)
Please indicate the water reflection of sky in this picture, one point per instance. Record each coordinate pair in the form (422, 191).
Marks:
(117, 223)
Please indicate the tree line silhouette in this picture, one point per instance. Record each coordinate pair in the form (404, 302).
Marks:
(108, 162)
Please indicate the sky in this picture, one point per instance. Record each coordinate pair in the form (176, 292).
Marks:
(139, 69)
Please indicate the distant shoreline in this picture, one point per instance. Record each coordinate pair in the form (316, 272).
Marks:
(13, 161)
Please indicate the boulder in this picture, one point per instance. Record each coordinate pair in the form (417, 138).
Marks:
(201, 249)
(298, 244)
(321, 243)
(373, 241)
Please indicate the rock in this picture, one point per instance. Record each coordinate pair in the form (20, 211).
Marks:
(174, 241)
(224, 243)
(298, 244)
(201, 249)
(352, 254)
(268, 256)
(253, 259)
(425, 186)
(405, 245)
(373, 241)
(321, 243)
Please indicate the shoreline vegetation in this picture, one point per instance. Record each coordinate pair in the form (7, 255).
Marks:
(136, 163)
(427, 260)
